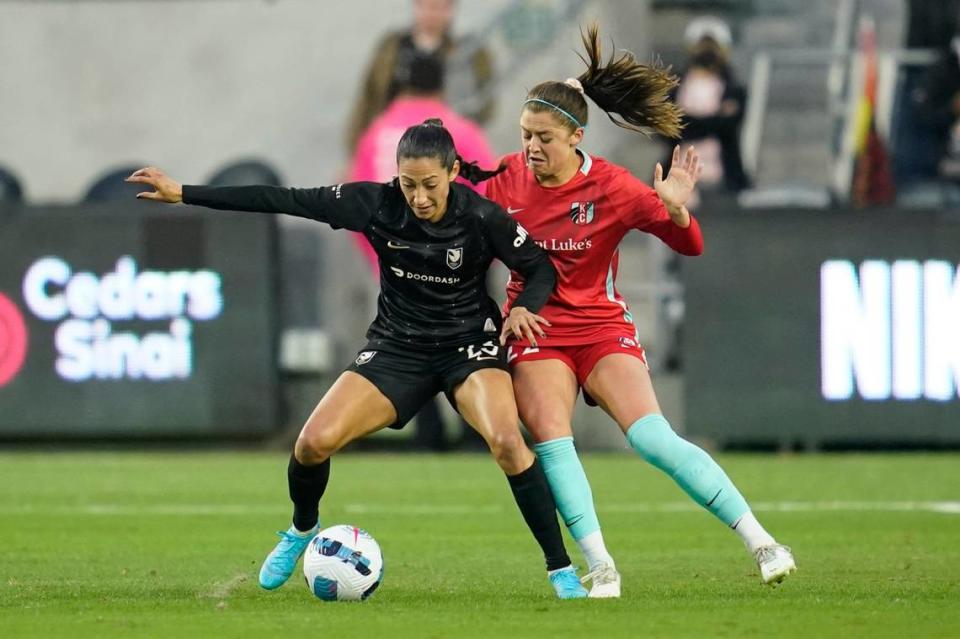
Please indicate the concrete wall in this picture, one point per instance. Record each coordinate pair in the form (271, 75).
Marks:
(188, 86)
(184, 85)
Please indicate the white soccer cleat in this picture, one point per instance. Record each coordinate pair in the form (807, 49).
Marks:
(775, 563)
(606, 582)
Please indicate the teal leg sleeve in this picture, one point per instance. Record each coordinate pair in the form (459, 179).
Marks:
(690, 466)
(569, 485)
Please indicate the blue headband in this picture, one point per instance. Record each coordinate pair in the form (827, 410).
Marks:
(554, 106)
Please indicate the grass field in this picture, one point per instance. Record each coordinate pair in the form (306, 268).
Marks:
(164, 545)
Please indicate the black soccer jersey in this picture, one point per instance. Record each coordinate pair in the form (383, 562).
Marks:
(432, 275)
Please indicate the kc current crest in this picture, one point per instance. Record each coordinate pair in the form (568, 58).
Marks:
(581, 213)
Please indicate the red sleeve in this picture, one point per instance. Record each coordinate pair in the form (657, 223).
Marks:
(645, 211)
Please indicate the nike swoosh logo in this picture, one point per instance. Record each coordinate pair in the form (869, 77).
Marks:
(394, 245)
(511, 211)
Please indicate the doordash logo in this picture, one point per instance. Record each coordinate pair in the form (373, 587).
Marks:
(13, 340)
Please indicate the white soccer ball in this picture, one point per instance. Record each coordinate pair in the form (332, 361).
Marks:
(343, 563)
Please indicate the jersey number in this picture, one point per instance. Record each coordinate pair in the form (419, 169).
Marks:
(487, 350)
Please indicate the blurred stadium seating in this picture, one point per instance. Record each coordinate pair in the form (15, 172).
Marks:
(244, 173)
(11, 191)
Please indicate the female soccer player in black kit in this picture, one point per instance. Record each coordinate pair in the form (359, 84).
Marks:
(436, 327)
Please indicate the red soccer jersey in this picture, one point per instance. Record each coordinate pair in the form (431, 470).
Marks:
(580, 224)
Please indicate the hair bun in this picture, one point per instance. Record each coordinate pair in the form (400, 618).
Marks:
(433, 122)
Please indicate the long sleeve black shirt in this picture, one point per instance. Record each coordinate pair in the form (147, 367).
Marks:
(432, 275)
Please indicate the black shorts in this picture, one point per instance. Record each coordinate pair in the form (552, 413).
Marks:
(409, 378)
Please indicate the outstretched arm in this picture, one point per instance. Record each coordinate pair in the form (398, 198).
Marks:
(342, 206)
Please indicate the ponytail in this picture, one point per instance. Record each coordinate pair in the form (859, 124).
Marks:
(472, 173)
(634, 96)
(638, 93)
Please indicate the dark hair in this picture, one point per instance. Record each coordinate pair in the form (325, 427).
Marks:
(432, 140)
(638, 94)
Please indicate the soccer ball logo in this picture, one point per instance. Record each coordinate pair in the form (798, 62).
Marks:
(343, 563)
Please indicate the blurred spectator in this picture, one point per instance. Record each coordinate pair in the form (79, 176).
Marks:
(713, 103)
(939, 102)
(246, 173)
(420, 98)
(931, 24)
(938, 109)
(10, 190)
(467, 65)
(375, 160)
(112, 186)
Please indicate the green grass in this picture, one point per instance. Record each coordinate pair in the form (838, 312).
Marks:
(164, 545)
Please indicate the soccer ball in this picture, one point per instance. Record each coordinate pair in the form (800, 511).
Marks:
(343, 563)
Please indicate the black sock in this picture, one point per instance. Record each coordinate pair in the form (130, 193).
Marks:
(307, 484)
(533, 496)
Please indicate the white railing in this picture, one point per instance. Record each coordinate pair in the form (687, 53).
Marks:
(845, 80)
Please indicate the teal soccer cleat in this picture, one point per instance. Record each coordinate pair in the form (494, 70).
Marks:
(566, 584)
(282, 560)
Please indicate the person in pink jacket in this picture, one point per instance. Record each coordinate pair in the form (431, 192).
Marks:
(421, 97)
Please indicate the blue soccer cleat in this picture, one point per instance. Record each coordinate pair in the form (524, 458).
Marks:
(282, 560)
(566, 583)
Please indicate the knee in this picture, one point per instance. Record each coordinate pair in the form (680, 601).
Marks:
(508, 448)
(314, 448)
(655, 441)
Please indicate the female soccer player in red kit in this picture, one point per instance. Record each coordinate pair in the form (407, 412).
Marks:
(579, 208)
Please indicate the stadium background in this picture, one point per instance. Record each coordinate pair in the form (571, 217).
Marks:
(735, 338)
(91, 87)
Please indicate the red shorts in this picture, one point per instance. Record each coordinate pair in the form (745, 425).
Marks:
(581, 358)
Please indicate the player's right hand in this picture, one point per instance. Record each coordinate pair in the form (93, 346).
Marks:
(166, 189)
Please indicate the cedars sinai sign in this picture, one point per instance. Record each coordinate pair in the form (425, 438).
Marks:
(92, 312)
(124, 320)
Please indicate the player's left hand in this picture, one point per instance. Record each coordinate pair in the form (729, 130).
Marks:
(677, 188)
(523, 324)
